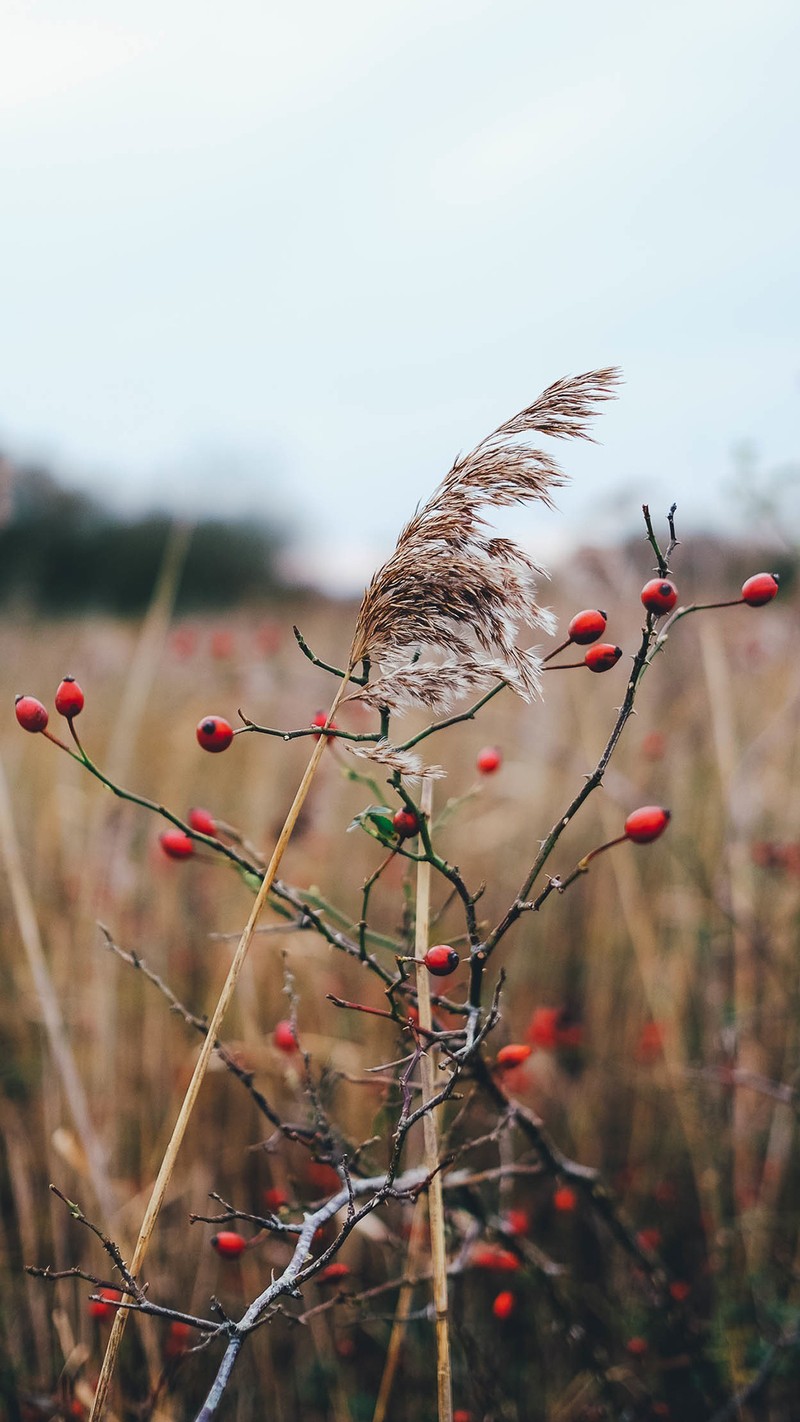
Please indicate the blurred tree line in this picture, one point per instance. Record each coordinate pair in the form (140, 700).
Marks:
(62, 550)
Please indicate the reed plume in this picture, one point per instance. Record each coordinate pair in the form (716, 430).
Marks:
(453, 587)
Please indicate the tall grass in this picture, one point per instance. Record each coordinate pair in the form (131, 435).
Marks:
(693, 1122)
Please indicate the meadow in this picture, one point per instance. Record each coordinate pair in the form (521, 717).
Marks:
(659, 996)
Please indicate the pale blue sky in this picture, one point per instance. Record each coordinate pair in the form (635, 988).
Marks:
(322, 247)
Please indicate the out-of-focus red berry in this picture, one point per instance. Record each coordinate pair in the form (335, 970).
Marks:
(517, 1221)
(565, 1200)
(637, 1346)
(680, 1290)
(441, 960)
(69, 698)
(504, 1305)
(405, 823)
(333, 1273)
(30, 713)
(654, 745)
(513, 1054)
(646, 824)
(178, 1338)
(176, 844)
(489, 760)
(551, 1028)
(214, 734)
(659, 596)
(103, 1307)
(229, 1244)
(759, 589)
(602, 657)
(321, 720)
(587, 626)
(283, 1036)
(203, 821)
(650, 1044)
(650, 1239)
(323, 1177)
(222, 646)
(462, 1415)
(493, 1256)
(275, 1198)
(543, 1027)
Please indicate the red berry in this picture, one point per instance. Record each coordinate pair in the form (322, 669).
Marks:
(228, 1243)
(680, 1290)
(491, 1256)
(332, 1273)
(564, 1200)
(650, 1239)
(462, 1415)
(489, 760)
(587, 626)
(406, 824)
(504, 1305)
(321, 720)
(275, 1198)
(103, 1307)
(517, 1221)
(761, 588)
(602, 657)
(214, 734)
(543, 1027)
(176, 844)
(202, 821)
(284, 1037)
(637, 1347)
(69, 698)
(31, 714)
(441, 960)
(178, 1338)
(513, 1055)
(644, 825)
(659, 595)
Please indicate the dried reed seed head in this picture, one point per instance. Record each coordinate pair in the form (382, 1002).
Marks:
(408, 764)
(451, 586)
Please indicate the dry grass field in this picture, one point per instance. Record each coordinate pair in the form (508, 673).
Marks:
(675, 965)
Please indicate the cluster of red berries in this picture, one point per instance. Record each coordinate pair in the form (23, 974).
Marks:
(176, 844)
(584, 630)
(32, 714)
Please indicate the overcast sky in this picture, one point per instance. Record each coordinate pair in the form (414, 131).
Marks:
(299, 254)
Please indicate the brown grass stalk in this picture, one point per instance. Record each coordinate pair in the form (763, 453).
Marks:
(192, 1091)
(444, 1384)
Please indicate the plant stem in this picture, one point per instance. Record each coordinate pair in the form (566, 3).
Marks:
(427, 1069)
(171, 1154)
